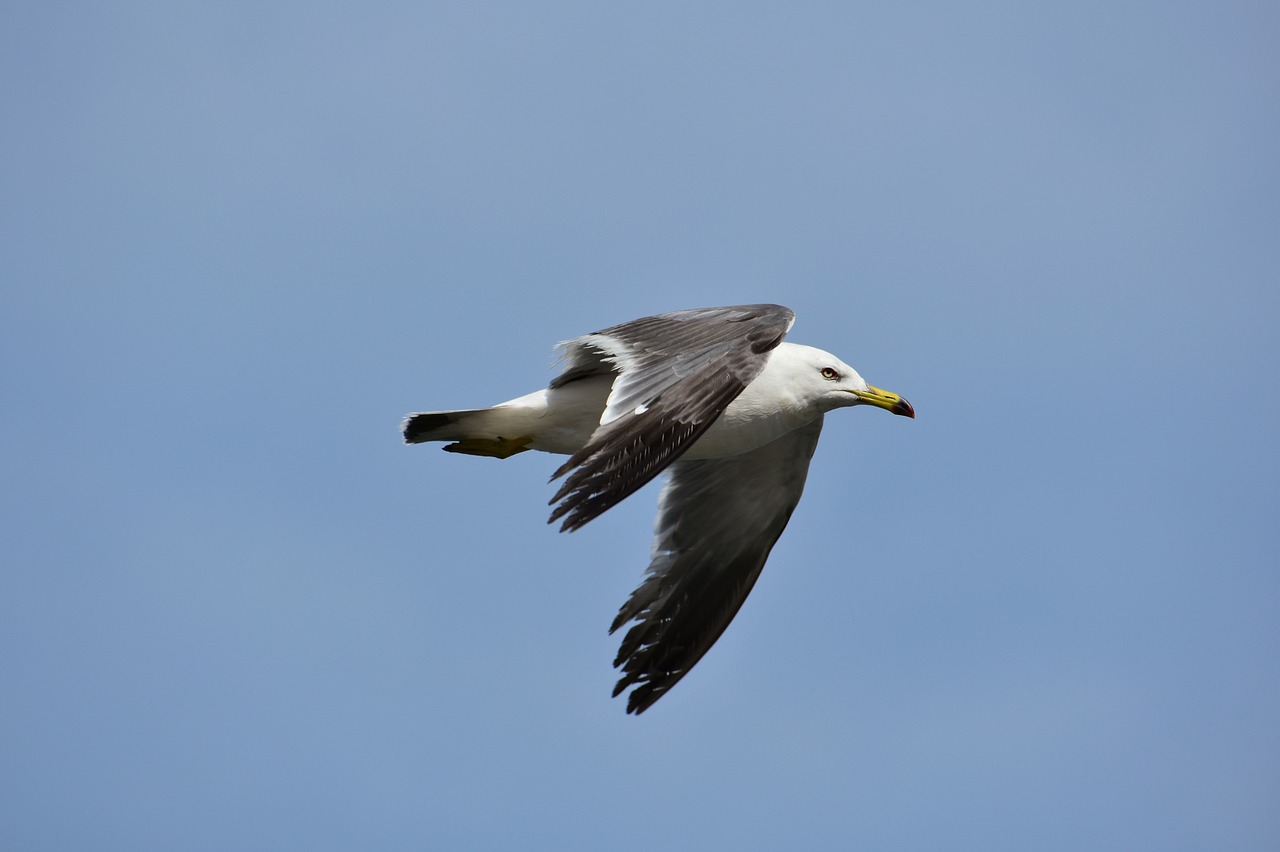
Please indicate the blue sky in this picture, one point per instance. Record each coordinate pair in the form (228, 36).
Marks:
(240, 241)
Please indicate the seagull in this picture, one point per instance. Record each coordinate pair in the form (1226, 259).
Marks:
(718, 399)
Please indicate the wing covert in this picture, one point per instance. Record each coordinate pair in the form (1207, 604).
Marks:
(676, 373)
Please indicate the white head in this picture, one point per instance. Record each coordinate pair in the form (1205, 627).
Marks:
(821, 380)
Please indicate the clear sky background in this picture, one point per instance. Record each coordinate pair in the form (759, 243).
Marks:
(241, 240)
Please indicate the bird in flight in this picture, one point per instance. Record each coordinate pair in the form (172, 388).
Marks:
(715, 397)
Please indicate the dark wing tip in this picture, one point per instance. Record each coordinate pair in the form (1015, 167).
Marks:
(642, 698)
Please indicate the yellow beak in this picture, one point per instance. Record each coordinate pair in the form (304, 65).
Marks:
(887, 400)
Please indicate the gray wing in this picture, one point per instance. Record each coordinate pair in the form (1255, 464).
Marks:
(717, 521)
(676, 373)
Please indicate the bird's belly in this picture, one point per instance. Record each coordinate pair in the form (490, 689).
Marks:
(564, 418)
(741, 429)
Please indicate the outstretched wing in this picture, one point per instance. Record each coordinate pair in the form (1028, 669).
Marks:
(676, 373)
(717, 521)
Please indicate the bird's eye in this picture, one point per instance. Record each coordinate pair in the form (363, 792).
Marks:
(830, 373)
